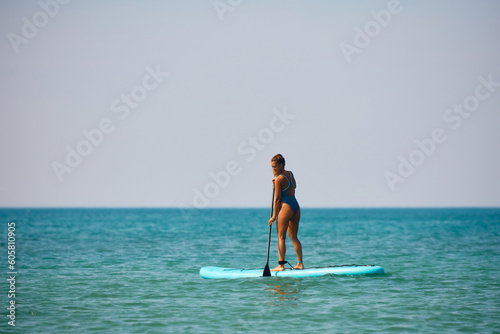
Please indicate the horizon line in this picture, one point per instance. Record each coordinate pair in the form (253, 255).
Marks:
(242, 207)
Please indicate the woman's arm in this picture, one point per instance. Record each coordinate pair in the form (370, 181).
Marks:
(277, 199)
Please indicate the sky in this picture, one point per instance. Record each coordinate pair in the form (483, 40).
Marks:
(184, 103)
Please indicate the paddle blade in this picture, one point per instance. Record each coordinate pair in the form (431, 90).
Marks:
(267, 272)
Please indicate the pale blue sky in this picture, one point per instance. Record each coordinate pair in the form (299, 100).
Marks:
(349, 121)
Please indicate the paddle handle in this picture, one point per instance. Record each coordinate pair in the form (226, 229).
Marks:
(270, 229)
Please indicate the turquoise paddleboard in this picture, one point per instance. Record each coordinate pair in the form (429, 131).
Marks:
(218, 272)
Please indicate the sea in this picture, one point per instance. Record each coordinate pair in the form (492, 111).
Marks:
(137, 271)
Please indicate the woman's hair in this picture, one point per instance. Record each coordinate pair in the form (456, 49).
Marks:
(279, 159)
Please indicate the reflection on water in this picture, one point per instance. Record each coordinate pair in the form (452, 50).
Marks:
(284, 291)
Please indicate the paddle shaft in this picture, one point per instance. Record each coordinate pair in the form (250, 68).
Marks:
(266, 269)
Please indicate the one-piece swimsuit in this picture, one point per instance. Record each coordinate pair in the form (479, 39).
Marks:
(289, 199)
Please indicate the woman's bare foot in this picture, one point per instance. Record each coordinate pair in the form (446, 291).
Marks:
(281, 267)
(299, 266)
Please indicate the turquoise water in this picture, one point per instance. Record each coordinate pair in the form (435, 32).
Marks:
(136, 271)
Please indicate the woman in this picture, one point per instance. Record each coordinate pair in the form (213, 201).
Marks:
(287, 210)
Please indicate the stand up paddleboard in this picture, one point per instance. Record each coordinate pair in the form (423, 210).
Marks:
(218, 272)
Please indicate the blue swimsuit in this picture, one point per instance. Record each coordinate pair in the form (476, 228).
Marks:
(290, 200)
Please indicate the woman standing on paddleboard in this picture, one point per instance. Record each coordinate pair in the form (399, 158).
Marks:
(287, 210)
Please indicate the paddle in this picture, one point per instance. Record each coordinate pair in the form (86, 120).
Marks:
(267, 272)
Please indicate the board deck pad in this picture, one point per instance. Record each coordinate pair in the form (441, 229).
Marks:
(218, 272)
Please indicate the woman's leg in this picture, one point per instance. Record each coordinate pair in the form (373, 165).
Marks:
(284, 217)
(293, 229)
